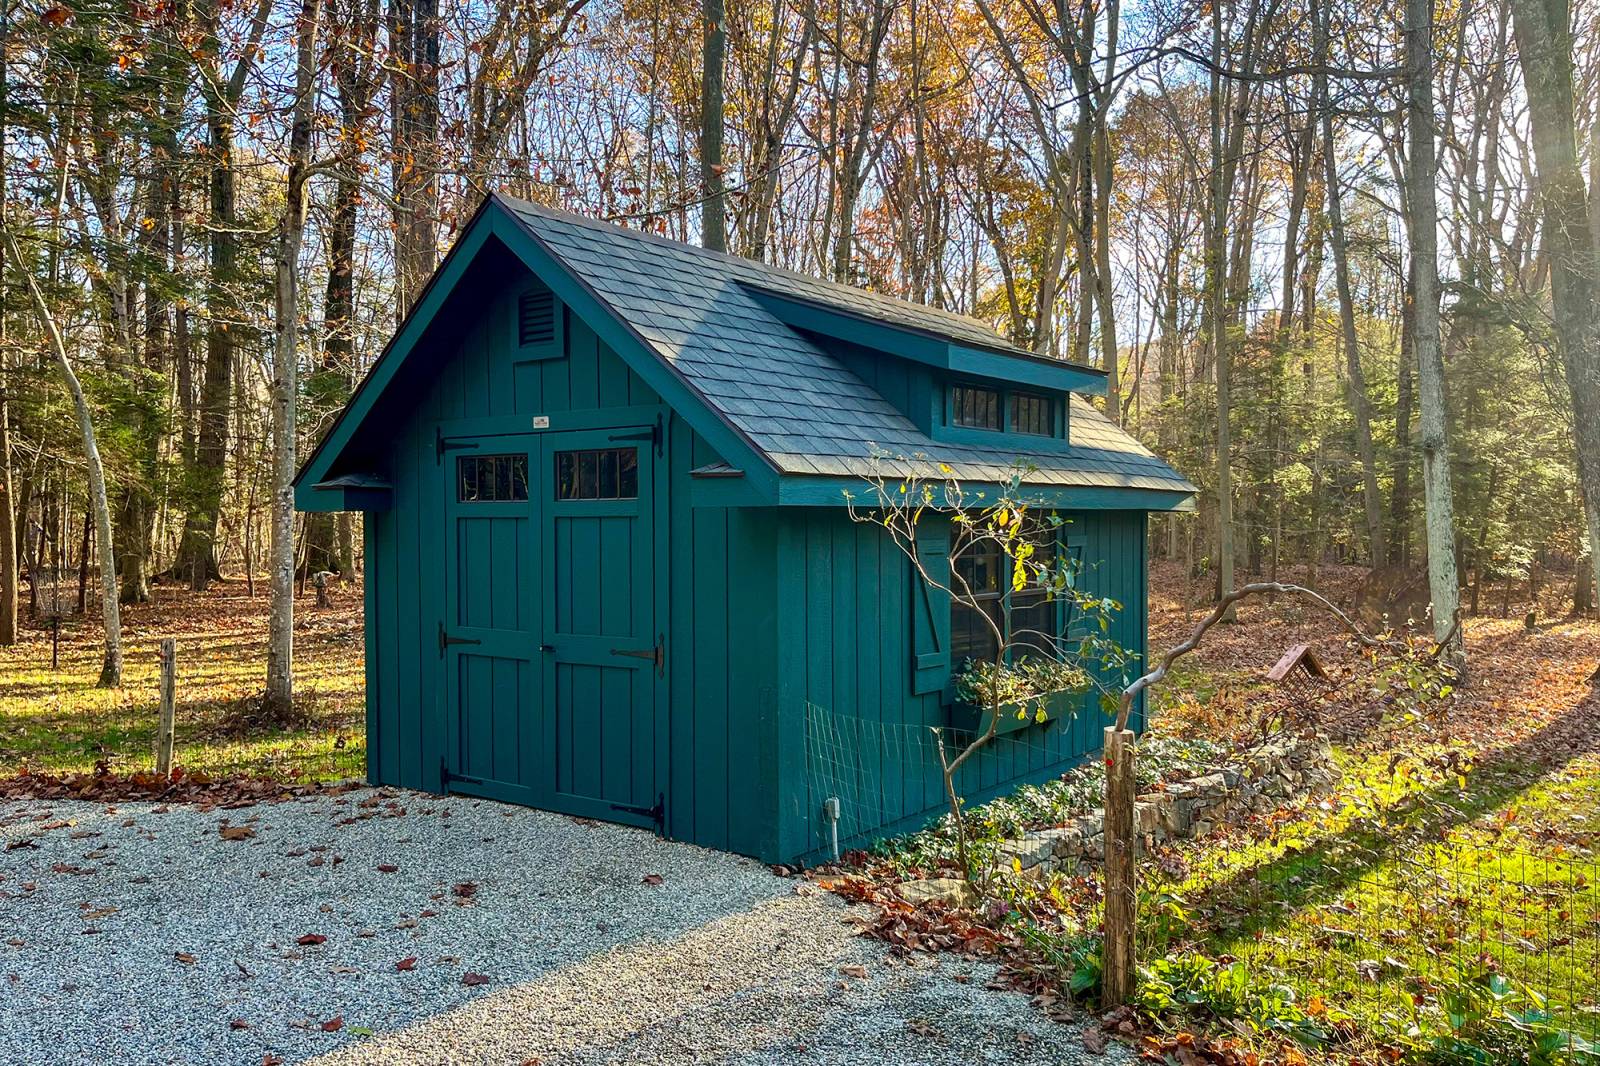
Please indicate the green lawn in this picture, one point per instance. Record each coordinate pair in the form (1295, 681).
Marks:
(59, 721)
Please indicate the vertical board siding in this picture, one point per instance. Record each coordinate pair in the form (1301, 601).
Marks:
(719, 616)
(846, 640)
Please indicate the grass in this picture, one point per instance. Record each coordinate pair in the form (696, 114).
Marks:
(1455, 846)
(1415, 874)
(59, 721)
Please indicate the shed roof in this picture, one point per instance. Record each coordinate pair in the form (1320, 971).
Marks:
(708, 332)
(799, 405)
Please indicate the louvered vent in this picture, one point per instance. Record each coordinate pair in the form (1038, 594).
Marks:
(536, 317)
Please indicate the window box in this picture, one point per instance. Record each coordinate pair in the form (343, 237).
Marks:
(973, 718)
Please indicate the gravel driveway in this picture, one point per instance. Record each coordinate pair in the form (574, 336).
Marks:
(386, 927)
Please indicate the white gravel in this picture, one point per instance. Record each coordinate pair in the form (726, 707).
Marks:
(137, 933)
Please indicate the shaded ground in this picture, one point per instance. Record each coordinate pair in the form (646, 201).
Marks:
(345, 929)
(57, 720)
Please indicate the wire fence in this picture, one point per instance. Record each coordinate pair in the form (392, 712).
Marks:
(1468, 949)
(886, 774)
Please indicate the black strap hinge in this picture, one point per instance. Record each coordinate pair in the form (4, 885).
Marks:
(442, 444)
(445, 777)
(657, 814)
(657, 655)
(445, 640)
(656, 435)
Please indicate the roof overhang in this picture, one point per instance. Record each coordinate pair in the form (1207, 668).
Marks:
(999, 363)
(354, 492)
(812, 491)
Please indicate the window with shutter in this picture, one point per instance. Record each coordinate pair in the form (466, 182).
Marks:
(1033, 621)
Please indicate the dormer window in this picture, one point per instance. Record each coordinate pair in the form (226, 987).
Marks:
(1003, 410)
(1030, 413)
(975, 408)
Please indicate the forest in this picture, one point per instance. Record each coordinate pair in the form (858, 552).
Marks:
(1339, 261)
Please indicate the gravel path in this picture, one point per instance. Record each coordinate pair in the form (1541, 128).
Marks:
(140, 933)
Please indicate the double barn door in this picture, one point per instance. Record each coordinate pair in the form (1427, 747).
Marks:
(551, 651)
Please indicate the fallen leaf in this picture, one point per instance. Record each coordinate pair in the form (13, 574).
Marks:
(334, 1024)
(238, 1023)
(184, 957)
(236, 832)
(858, 972)
(311, 938)
(465, 890)
(409, 963)
(472, 979)
(387, 868)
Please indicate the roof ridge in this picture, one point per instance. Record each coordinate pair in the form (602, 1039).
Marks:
(756, 265)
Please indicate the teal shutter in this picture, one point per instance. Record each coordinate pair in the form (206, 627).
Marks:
(930, 611)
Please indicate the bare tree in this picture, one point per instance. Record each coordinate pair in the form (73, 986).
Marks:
(111, 610)
(1422, 230)
(1571, 245)
(713, 205)
(1356, 382)
(285, 365)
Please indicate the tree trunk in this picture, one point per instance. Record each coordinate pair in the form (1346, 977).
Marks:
(414, 97)
(1355, 381)
(10, 568)
(345, 545)
(198, 552)
(10, 561)
(279, 698)
(1216, 303)
(1423, 233)
(1400, 500)
(111, 663)
(713, 209)
(1544, 42)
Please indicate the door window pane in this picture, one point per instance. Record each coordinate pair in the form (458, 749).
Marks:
(491, 478)
(598, 474)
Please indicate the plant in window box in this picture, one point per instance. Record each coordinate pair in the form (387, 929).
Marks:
(998, 585)
(1031, 691)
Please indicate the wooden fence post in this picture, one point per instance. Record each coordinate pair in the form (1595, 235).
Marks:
(169, 689)
(1121, 889)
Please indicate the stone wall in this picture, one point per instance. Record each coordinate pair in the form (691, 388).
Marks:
(1261, 781)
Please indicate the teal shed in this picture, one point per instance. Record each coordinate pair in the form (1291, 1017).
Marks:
(609, 570)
